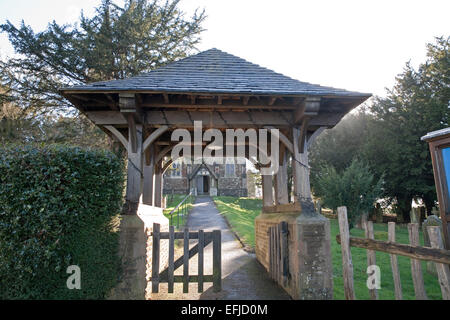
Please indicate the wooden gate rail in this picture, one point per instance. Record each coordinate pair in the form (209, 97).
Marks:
(167, 275)
(278, 253)
(436, 253)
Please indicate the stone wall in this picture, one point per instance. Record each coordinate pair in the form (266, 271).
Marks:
(309, 253)
(135, 250)
(151, 215)
(179, 185)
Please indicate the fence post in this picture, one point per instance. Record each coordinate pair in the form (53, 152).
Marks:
(394, 264)
(186, 261)
(371, 258)
(171, 257)
(155, 258)
(347, 265)
(442, 269)
(416, 266)
(217, 261)
(201, 243)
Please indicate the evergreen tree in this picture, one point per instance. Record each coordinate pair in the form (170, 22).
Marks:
(418, 103)
(117, 42)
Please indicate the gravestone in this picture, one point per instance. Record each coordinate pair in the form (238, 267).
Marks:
(415, 216)
(432, 220)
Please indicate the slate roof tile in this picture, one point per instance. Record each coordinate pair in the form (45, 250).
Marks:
(215, 71)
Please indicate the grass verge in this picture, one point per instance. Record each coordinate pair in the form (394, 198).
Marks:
(241, 214)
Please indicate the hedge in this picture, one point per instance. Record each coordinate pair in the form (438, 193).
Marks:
(59, 206)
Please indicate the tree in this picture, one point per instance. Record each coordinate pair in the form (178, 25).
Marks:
(354, 187)
(339, 146)
(418, 103)
(117, 42)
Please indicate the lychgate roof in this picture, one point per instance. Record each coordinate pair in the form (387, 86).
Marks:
(215, 71)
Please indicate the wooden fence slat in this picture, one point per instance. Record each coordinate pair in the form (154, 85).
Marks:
(284, 251)
(271, 260)
(394, 264)
(217, 261)
(201, 242)
(347, 265)
(371, 258)
(416, 266)
(443, 271)
(171, 257)
(155, 258)
(186, 261)
(277, 253)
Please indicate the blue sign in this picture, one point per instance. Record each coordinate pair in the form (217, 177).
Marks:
(446, 160)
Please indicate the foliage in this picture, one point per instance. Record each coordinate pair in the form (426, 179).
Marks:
(117, 42)
(386, 134)
(418, 103)
(254, 181)
(244, 211)
(58, 207)
(354, 187)
(339, 146)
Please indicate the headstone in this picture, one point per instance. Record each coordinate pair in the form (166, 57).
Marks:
(432, 220)
(415, 215)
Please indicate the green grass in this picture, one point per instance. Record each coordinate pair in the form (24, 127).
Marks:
(173, 201)
(241, 213)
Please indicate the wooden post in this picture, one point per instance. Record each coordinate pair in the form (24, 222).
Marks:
(171, 257)
(155, 258)
(217, 261)
(134, 176)
(416, 266)
(267, 190)
(149, 168)
(371, 259)
(302, 188)
(347, 265)
(442, 269)
(281, 179)
(158, 186)
(394, 264)
(186, 262)
(201, 243)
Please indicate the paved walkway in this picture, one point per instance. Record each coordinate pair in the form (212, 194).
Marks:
(243, 278)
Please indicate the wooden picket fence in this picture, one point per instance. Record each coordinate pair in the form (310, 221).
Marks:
(436, 253)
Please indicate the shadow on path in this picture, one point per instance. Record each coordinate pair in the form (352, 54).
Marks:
(243, 277)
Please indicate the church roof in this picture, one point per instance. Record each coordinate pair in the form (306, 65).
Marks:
(215, 71)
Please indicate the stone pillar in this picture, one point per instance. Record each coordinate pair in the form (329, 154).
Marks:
(135, 249)
(312, 234)
(149, 178)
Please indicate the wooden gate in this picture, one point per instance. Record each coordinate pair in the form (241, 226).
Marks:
(278, 253)
(167, 275)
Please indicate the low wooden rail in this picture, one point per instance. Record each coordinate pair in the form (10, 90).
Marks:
(436, 253)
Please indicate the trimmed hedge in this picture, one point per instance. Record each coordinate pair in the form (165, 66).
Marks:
(59, 206)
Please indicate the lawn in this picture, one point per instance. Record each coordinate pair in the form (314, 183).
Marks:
(172, 202)
(241, 213)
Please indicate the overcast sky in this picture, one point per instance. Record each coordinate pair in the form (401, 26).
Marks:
(355, 45)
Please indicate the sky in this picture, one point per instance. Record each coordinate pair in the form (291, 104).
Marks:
(354, 45)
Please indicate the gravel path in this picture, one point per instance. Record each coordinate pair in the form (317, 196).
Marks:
(243, 278)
